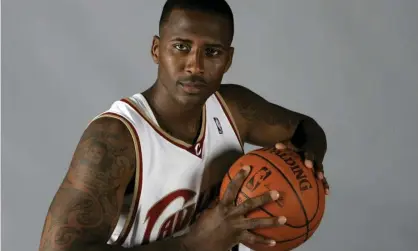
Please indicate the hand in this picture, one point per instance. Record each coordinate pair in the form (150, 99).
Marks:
(224, 225)
(309, 160)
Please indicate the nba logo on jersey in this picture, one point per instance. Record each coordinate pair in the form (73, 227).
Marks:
(218, 124)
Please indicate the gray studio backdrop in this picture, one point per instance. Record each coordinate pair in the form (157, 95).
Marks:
(351, 64)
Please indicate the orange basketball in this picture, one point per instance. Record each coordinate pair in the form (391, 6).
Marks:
(301, 201)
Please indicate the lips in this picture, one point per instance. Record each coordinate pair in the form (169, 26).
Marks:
(195, 83)
(192, 87)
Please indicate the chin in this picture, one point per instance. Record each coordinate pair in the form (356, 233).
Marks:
(192, 99)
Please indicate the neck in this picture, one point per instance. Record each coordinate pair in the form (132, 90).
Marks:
(167, 107)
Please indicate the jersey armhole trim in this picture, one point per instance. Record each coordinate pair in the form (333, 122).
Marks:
(230, 117)
(138, 177)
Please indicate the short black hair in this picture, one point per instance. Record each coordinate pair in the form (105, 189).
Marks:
(216, 7)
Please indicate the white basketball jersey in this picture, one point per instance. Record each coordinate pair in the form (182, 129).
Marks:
(173, 179)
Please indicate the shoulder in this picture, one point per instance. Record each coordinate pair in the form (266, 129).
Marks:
(230, 95)
(119, 121)
(112, 144)
(231, 92)
(239, 99)
(112, 130)
(108, 121)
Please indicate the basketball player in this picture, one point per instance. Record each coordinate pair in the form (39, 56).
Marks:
(146, 172)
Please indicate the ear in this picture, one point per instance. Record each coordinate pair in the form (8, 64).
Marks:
(155, 49)
(230, 56)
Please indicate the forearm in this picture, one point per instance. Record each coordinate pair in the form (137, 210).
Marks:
(170, 244)
(263, 123)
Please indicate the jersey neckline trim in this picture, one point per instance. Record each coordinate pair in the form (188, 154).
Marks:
(195, 149)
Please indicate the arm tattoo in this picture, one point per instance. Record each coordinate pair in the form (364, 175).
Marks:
(86, 206)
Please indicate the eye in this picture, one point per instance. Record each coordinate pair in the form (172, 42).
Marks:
(212, 52)
(181, 47)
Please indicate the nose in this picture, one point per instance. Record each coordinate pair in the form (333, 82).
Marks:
(195, 63)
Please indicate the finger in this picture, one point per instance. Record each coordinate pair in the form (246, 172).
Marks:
(309, 159)
(319, 168)
(281, 146)
(252, 223)
(234, 186)
(309, 163)
(320, 175)
(213, 203)
(286, 145)
(250, 238)
(252, 203)
(326, 185)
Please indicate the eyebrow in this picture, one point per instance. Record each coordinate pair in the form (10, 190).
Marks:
(216, 45)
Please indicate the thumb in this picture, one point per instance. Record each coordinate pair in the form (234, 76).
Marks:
(286, 145)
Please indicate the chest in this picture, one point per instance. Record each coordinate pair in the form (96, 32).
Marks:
(186, 132)
(177, 181)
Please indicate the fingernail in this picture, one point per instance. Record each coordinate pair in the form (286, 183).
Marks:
(280, 146)
(320, 176)
(282, 220)
(327, 191)
(272, 243)
(247, 169)
(274, 195)
(308, 164)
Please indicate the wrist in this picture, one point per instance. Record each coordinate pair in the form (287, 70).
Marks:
(307, 130)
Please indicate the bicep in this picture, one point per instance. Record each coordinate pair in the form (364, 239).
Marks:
(86, 206)
(260, 122)
(273, 124)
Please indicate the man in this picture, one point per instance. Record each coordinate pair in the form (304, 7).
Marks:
(148, 168)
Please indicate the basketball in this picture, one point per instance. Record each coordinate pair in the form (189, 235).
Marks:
(301, 201)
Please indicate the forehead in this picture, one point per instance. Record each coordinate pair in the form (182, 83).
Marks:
(194, 25)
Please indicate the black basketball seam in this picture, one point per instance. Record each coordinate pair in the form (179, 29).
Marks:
(265, 211)
(294, 190)
(230, 179)
(268, 213)
(317, 200)
(297, 237)
(287, 240)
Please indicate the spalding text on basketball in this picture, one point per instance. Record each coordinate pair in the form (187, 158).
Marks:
(303, 181)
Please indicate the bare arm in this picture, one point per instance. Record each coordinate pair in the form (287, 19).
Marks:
(86, 207)
(263, 123)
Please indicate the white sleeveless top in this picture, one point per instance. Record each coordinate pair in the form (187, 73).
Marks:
(173, 179)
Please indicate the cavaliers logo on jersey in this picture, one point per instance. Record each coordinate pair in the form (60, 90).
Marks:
(198, 149)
